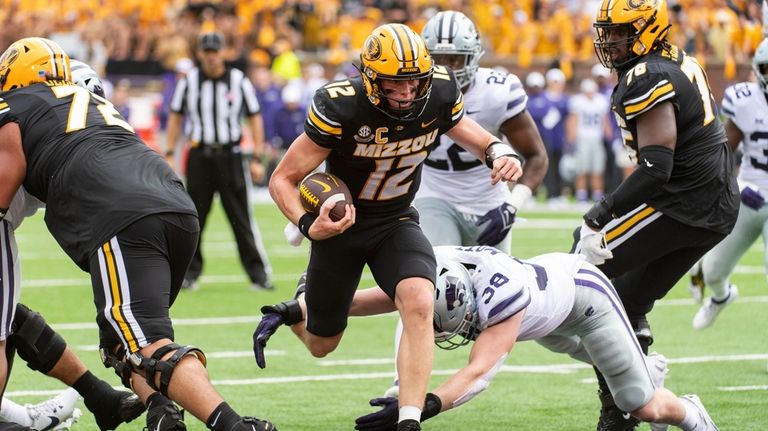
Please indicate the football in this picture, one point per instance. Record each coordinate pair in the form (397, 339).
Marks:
(319, 187)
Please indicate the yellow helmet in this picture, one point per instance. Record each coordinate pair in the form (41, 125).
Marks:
(395, 52)
(31, 60)
(644, 22)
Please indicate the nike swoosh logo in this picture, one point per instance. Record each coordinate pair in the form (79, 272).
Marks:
(626, 415)
(326, 187)
(428, 123)
(647, 163)
(54, 421)
(472, 112)
(216, 419)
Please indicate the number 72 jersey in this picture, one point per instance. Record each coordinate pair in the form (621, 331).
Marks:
(700, 191)
(54, 117)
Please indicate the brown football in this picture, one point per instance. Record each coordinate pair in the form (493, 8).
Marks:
(317, 188)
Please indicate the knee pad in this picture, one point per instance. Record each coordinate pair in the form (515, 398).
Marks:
(37, 343)
(154, 365)
(643, 333)
(115, 358)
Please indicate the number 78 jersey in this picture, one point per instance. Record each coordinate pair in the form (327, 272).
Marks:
(698, 192)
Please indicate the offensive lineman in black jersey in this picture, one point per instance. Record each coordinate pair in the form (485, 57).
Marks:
(682, 199)
(121, 214)
(374, 133)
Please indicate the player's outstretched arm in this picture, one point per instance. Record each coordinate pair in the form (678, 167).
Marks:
(488, 354)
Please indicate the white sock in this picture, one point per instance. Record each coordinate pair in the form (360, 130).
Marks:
(691, 420)
(410, 412)
(14, 412)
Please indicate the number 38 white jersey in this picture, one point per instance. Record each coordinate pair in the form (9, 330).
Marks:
(745, 105)
(457, 176)
(504, 286)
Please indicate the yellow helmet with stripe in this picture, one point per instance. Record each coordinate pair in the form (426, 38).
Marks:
(637, 25)
(31, 60)
(395, 52)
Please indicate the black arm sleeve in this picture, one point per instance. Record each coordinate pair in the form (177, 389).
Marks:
(654, 171)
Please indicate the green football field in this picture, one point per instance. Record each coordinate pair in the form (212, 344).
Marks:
(535, 390)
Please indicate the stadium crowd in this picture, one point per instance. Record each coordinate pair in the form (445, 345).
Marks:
(278, 33)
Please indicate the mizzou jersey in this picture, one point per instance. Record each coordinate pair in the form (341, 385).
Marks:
(701, 190)
(86, 164)
(379, 158)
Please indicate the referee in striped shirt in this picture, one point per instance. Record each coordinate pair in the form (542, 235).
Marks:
(214, 97)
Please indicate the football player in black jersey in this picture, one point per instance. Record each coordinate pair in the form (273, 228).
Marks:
(118, 210)
(374, 133)
(682, 199)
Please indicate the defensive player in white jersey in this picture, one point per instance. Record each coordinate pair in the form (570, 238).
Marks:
(746, 108)
(561, 301)
(457, 204)
(587, 126)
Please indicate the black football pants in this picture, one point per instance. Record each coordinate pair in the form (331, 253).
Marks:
(223, 171)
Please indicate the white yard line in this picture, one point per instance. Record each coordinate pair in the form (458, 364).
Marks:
(546, 369)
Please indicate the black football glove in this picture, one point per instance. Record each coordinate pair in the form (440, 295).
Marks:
(386, 418)
(499, 221)
(288, 312)
(382, 420)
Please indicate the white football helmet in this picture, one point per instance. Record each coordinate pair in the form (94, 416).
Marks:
(451, 33)
(760, 65)
(84, 76)
(455, 307)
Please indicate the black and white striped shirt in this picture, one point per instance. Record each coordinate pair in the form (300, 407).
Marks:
(214, 107)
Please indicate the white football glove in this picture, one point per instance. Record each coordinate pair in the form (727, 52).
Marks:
(592, 245)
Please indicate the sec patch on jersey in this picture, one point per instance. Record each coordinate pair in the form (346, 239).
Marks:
(319, 187)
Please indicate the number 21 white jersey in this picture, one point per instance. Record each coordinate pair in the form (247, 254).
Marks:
(457, 176)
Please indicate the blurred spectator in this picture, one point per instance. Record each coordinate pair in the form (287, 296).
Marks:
(286, 64)
(586, 127)
(120, 98)
(268, 94)
(553, 131)
(313, 79)
(289, 123)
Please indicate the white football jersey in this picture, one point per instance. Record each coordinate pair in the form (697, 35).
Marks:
(22, 206)
(504, 286)
(591, 114)
(457, 176)
(745, 105)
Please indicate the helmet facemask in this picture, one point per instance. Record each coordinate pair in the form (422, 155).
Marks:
(455, 308)
(760, 65)
(606, 47)
(451, 34)
(402, 110)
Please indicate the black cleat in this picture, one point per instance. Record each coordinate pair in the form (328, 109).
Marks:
(114, 409)
(165, 417)
(408, 425)
(249, 423)
(613, 419)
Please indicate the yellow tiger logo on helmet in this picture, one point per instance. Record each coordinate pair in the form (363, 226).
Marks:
(31, 60)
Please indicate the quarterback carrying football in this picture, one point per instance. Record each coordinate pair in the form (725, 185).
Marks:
(374, 133)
